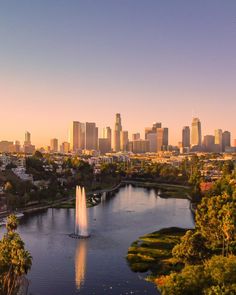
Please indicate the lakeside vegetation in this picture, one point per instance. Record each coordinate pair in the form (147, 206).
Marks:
(153, 252)
(55, 180)
(202, 260)
(15, 260)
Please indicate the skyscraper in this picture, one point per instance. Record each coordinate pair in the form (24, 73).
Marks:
(209, 143)
(136, 136)
(91, 136)
(65, 147)
(124, 140)
(77, 136)
(152, 137)
(226, 140)
(186, 137)
(28, 147)
(196, 139)
(117, 131)
(152, 129)
(27, 138)
(140, 146)
(218, 139)
(104, 145)
(162, 139)
(54, 145)
(107, 135)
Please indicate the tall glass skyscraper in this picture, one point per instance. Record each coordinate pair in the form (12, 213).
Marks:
(117, 133)
(196, 139)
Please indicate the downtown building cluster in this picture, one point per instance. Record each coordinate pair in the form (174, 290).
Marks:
(194, 141)
(84, 139)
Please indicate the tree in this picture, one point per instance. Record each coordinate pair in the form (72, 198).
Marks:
(15, 261)
(192, 248)
(216, 221)
(216, 276)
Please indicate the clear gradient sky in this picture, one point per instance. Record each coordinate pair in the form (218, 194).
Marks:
(150, 60)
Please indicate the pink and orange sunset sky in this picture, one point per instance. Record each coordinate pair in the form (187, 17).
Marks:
(149, 60)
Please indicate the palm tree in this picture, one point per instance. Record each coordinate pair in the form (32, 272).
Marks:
(15, 261)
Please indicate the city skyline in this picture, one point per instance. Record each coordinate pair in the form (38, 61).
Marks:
(87, 61)
(88, 136)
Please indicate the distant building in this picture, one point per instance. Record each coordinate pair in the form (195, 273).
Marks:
(152, 129)
(124, 140)
(162, 139)
(152, 137)
(27, 138)
(186, 137)
(156, 125)
(54, 145)
(77, 136)
(104, 145)
(65, 148)
(209, 143)
(196, 139)
(107, 135)
(218, 140)
(136, 136)
(139, 146)
(226, 140)
(91, 136)
(28, 147)
(17, 147)
(6, 146)
(117, 133)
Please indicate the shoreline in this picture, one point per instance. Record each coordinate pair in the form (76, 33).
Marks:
(144, 184)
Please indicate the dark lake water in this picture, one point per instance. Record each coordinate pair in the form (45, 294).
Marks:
(66, 266)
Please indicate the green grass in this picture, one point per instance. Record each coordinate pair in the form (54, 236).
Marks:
(153, 252)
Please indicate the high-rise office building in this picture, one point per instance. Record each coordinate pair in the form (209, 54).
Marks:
(226, 140)
(107, 135)
(218, 139)
(156, 125)
(91, 136)
(124, 140)
(104, 145)
(152, 137)
(6, 146)
(136, 136)
(27, 138)
(54, 145)
(77, 136)
(196, 139)
(65, 148)
(117, 131)
(28, 147)
(139, 146)
(209, 143)
(186, 137)
(162, 139)
(152, 129)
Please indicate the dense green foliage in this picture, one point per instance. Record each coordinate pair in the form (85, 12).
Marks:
(215, 276)
(214, 238)
(15, 261)
(192, 248)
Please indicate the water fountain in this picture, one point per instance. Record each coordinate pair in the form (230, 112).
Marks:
(81, 216)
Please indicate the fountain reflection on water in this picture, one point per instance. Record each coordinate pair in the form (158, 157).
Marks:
(80, 263)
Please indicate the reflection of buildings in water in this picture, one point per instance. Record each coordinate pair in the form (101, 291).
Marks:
(80, 262)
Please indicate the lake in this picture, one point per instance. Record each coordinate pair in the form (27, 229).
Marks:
(63, 265)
